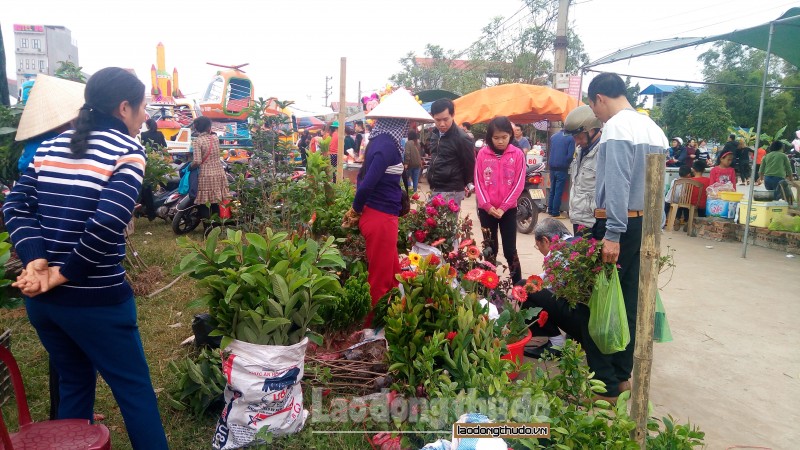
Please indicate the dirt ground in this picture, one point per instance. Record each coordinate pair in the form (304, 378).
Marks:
(733, 367)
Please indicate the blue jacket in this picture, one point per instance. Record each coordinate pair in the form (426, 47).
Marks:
(562, 149)
(379, 181)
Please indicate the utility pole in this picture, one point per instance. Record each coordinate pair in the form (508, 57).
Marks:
(328, 90)
(560, 62)
(342, 116)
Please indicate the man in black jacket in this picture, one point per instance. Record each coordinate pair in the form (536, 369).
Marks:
(452, 165)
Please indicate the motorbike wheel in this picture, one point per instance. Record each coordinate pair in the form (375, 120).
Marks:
(185, 221)
(527, 213)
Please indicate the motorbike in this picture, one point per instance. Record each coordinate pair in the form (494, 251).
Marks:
(531, 201)
(164, 202)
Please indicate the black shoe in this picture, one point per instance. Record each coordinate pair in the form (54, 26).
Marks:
(538, 352)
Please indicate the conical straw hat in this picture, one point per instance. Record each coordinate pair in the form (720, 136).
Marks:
(51, 103)
(400, 104)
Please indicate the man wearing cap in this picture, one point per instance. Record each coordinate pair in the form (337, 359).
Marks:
(628, 137)
(452, 155)
(586, 129)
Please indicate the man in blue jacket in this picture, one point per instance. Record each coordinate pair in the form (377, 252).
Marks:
(562, 148)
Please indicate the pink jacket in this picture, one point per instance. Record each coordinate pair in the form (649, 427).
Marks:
(499, 180)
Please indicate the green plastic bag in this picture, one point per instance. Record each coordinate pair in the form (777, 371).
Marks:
(608, 321)
(661, 332)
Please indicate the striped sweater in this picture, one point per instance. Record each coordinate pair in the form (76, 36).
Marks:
(73, 212)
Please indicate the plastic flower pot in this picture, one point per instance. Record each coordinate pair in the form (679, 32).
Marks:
(516, 351)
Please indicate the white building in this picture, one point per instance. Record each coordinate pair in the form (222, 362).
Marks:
(39, 48)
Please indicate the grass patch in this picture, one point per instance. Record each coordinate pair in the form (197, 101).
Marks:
(161, 345)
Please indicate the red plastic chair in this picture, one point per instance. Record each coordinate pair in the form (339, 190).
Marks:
(67, 434)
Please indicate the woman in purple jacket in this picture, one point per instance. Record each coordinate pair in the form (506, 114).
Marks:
(499, 179)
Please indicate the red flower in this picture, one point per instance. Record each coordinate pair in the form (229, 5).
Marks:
(474, 275)
(451, 335)
(430, 222)
(430, 210)
(465, 243)
(412, 211)
(415, 196)
(438, 201)
(420, 235)
(473, 252)
(452, 272)
(534, 284)
(542, 319)
(434, 260)
(404, 262)
(453, 206)
(408, 274)
(519, 294)
(490, 279)
(428, 301)
(452, 255)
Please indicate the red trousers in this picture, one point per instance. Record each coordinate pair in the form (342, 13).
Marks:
(380, 231)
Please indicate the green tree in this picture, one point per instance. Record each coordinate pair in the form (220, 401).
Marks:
(69, 71)
(703, 115)
(734, 64)
(632, 93)
(676, 112)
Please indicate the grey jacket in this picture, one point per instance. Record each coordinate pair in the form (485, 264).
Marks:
(583, 173)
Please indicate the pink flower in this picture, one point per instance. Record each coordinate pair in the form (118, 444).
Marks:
(453, 205)
(412, 211)
(474, 275)
(573, 255)
(420, 235)
(430, 210)
(557, 264)
(465, 243)
(438, 201)
(581, 227)
(430, 222)
(519, 294)
(489, 265)
(552, 278)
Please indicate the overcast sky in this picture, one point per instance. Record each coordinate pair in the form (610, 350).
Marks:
(293, 45)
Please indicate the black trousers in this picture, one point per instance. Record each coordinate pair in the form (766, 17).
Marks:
(559, 315)
(617, 367)
(508, 231)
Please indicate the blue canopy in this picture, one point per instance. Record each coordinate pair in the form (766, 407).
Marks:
(655, 89)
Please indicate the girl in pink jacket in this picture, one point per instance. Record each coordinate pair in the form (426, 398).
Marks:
(499, 180)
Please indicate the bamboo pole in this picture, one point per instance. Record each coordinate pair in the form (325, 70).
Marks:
(648, 287)
(342, 117)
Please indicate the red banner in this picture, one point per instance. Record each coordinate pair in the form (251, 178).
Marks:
(29, 28)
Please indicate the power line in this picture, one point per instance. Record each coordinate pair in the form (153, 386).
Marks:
(710, 83)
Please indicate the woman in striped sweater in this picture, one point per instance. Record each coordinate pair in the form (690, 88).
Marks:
(66, 217)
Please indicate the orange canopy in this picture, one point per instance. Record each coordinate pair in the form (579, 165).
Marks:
(522, 103)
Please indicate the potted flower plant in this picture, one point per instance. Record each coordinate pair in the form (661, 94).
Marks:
(571, 268)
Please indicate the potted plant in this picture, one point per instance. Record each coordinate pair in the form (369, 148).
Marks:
(431, 222)
(263, 294)
(571, 268)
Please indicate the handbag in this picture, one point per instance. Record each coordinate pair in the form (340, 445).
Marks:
(189, 176)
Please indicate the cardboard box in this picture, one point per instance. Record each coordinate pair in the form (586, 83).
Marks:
(762, 213)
